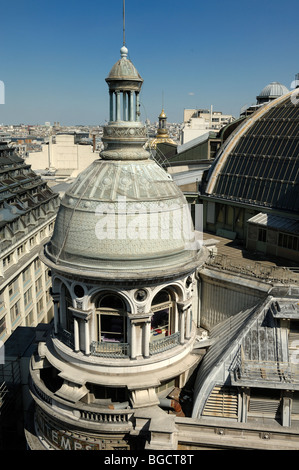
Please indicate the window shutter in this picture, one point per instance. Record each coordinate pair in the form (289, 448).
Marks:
(222, 402)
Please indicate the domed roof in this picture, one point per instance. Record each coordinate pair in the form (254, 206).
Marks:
(259, 163)
(123, 217)
(272, 90)
(124, 69)
(120, 217)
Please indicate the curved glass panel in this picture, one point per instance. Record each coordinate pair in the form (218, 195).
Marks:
(263, 168)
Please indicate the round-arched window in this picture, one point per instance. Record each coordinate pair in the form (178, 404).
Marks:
(111, 319)
(162, 320)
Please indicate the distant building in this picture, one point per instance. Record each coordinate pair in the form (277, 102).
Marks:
(269, 93)
(162, 135)
(65, 154)
(200, 121)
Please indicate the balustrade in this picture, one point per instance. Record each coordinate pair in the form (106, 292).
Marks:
(160, 345)
(109, 349)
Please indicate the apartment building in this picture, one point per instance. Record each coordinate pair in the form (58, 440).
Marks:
(27, 212)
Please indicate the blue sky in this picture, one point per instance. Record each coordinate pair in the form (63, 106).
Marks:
(55, 55)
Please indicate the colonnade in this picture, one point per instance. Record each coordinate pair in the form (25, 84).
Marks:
(125, 107)
(140, 327)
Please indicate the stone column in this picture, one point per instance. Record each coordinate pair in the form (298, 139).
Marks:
(111, 106)
(188, 323)
(118, 106)
(182, 308)
(55, 298)
(131, 106)
(87, 338)
(76, 335)
(81, 315)
(182, 326)
(133, 340)
(147, 334)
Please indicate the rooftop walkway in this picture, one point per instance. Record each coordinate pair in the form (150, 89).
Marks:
(233, 256)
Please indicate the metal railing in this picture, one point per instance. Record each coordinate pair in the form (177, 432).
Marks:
(109, 349)
(160, 345)
(266, 371)
(66, 337)
(120, 350)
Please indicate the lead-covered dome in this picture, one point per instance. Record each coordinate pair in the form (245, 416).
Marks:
(124, 74)
(124, 216)
(272, 91)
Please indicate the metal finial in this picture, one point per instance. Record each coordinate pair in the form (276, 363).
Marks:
(124, 27)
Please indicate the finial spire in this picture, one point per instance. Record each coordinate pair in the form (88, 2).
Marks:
(124, 26)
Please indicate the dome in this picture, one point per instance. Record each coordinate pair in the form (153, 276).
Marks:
(272, 91)
(120, 217)
(259, 163)
(122, 71)
(123, 217)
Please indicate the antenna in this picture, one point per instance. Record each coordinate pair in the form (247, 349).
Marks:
(124, 28)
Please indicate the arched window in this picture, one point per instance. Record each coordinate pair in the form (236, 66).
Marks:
(111, 319)
(162, 321)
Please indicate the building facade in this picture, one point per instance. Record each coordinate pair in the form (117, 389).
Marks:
(27, 214)
(123, 259)
(63, 154)
(198, 122)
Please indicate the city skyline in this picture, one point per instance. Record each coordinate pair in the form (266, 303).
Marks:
(191, 55)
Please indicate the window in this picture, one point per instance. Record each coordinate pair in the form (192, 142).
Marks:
(40, 306)
(1, 300)
(162, 323)
(28, 296)
(32, 241)
(288, 241)
(7, 261)
(21, 251)
(42, 233)
(2, 325)
(26, 275)
(29, 318)
(262, 235)
(13, 288)
(48, 296)
(37, 264)
(15, 311)
(79, 291)
(111, 319)
(38, 285)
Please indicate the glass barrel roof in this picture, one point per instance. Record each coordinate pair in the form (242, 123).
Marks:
(263, 166)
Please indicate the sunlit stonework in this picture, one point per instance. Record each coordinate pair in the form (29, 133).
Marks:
(123, 276)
